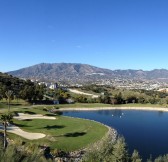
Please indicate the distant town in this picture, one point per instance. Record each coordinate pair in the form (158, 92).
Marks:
(117, 82)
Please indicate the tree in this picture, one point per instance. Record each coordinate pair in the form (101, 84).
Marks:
(5, 119)
(19, 153)
(119, 98)
(150, 159)
(1, 97)
(8, 95)
(163, 158)
(27, 93)
(119, 151)
(135, 156)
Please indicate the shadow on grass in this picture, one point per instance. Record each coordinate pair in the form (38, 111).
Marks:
(15, 104)
(27, 120)
(50, 114)
(75, 134)
(54, 126)
(29, 112)
(20, 125)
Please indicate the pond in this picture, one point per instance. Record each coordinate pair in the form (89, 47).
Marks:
(146, 131)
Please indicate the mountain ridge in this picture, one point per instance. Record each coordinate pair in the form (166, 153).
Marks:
(82, 73)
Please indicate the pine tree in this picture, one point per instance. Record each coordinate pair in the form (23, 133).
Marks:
(120, 153)
(135, 156)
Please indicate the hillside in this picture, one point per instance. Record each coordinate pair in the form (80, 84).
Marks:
(23, 89)
(63, 72)
(8, 82)
(82, 73)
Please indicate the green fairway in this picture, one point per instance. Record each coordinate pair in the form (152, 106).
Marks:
(64, 133)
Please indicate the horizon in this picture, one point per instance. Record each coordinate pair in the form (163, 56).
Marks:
(108, 34)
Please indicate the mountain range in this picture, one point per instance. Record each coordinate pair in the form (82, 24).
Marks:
(83, 73)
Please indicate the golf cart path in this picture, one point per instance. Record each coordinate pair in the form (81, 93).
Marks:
(83, 93)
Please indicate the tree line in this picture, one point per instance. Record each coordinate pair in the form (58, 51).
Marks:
(112, 95)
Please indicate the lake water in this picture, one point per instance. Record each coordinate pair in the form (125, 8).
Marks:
(146, 131)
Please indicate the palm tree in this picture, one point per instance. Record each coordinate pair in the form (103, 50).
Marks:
(5, 120)
(8, 95)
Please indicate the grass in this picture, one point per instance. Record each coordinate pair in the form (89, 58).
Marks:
(39, 108)
(15, 102)
(2, 105)
(84, 105)
(64, 133)
(97, 105)
(94, 105)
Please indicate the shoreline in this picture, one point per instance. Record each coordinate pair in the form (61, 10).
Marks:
(115, 108)
(110, 136)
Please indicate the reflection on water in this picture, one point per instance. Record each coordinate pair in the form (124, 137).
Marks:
(118, 113)
(146, 131)
(160, 113)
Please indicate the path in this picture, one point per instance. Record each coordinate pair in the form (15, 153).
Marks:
(83, 93)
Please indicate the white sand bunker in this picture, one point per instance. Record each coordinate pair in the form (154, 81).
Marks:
(16, 130)
(27, 135)
(31, 136)
(23, 116)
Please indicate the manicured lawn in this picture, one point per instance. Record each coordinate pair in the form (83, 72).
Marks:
(85, 105)
(94, 105)
(2, 105)
(65, 133)
(15, 102)
(39, 108)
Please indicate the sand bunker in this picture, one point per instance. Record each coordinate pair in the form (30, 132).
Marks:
(31, 136)
(27, 135)
(23, 116)
(16, 130)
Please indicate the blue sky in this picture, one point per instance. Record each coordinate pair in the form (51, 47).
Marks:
(114, 34)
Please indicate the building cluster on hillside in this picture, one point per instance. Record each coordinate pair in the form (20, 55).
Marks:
(117, 82)
(134, 84)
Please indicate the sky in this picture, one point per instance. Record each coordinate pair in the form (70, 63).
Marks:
(113, 34)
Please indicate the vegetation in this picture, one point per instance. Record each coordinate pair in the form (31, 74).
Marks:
(64, 133)
(21, 89)
(115, 96)
(117, 152)
(20, 153)
(5, 120)
(12, 88)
